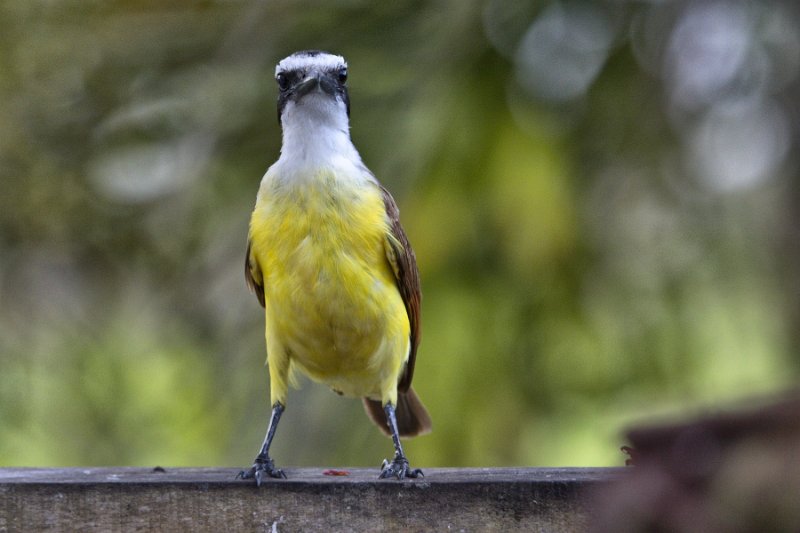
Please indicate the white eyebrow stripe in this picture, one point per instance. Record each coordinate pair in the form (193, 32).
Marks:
(303, 62)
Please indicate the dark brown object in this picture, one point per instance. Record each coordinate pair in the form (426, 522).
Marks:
(736, 472)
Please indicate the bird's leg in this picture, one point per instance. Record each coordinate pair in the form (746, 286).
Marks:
(399, 467)
(263, 464)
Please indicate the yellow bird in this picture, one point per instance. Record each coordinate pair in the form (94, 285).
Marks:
(333, 268)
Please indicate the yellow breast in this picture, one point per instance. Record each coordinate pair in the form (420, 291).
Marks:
(331, 300)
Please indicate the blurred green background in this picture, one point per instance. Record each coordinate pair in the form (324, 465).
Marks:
(603, 198)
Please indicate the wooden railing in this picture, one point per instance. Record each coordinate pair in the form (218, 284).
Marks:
(211, 499)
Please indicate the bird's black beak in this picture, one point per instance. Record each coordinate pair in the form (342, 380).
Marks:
(314, 80)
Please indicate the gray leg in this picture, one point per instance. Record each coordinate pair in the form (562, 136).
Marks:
(263, 466)
(399, 467)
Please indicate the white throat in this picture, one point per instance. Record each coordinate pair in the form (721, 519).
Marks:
(316, 135)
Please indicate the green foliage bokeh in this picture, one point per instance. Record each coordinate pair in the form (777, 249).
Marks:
(585, 265)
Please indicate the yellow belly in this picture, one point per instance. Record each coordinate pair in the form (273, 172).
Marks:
(332, 306)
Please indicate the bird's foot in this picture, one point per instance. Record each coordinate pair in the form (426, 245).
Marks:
(262, 468)
(399, 468)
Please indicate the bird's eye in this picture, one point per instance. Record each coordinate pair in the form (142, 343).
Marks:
(342, 75)
(283, 81)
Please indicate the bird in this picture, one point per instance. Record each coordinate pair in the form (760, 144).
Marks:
(332, 266)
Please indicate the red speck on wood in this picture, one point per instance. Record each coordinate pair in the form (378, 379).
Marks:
(331, 472)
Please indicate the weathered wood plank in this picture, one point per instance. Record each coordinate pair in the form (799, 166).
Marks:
(210, 499)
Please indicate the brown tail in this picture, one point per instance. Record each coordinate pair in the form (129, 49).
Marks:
(412, 417)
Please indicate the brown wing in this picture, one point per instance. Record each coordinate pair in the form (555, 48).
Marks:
(404, 264)
(253, 277)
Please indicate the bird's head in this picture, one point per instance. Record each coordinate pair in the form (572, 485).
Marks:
(313, 82)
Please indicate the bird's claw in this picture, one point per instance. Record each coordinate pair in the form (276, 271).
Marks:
(399, 468)
(261, 469)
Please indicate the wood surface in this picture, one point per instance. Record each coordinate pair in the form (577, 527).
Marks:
(211, 499)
